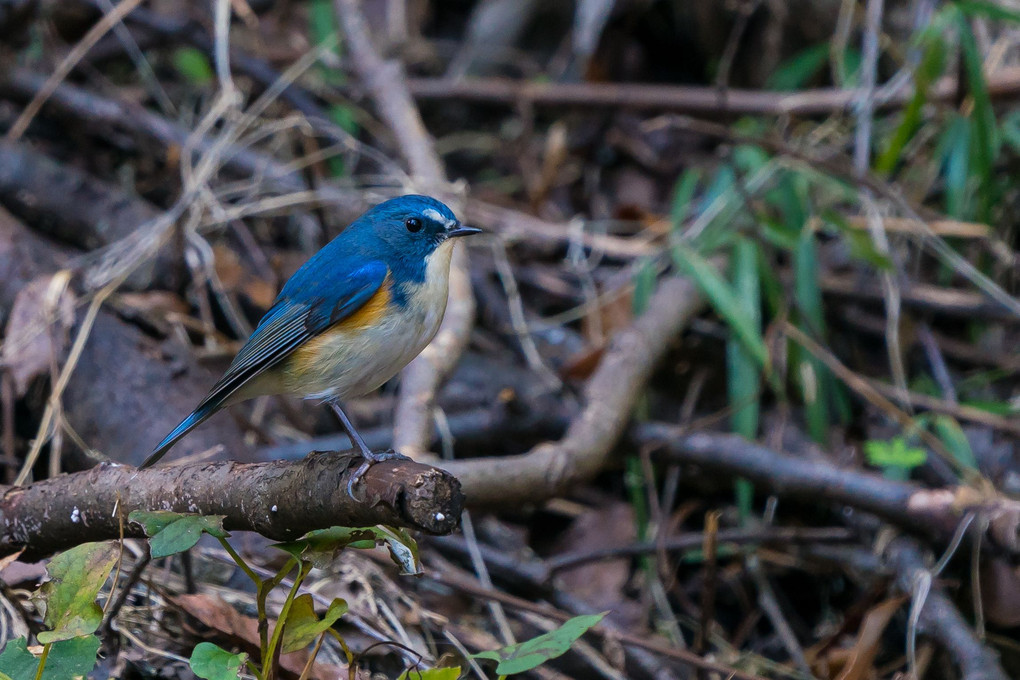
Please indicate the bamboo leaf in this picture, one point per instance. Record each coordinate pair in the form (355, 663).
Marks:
(724, 300)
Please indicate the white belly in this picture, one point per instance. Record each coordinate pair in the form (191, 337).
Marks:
(352, 365)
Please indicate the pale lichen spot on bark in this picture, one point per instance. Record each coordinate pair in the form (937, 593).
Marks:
(937, 499)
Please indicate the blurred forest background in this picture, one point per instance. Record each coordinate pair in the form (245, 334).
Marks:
(742, 332)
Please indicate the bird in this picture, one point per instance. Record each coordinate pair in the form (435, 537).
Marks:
(348, 320)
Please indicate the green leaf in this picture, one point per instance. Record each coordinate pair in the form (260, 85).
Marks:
(813, 377)
(432, 674)
(743, 374)
(893, 453)
(750, 158)
(403, 550)
(933, 58)
(173, 532)
(321, 547)
(644, 285)
(983, 121)
(212, 662)
(69, 597)
(954, 147)
(999, 408)
(952, 436)
(683, 196)
(795, 72)
(321, 22)
(850, 70)
(990, 10)
(303, 625)
(193, 65)
(724, 300)
(532, 653)
(68, 659)
(1010, 128)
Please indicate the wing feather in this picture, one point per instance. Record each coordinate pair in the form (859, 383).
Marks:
(290, 323)
(328, 293)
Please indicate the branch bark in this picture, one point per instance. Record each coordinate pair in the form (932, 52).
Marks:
(939, 618)
(935, 513)
(281, 500)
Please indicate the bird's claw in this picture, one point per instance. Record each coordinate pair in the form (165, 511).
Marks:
(370, 458)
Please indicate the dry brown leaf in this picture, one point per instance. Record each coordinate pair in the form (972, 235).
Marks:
(37, 330)
(7, 560)
(601, 584)
(237, 278)
(581, 365)
(857, 662)
(244, 631)
(615, 313)
(1000, 592)
(153, 308)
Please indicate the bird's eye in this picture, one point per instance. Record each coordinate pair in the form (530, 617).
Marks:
(413, 224)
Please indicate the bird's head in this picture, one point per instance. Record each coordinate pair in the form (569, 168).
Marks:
(408, 232)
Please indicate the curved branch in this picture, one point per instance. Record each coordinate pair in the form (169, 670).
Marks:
(939, 618)
(281, 500)
(549, 469)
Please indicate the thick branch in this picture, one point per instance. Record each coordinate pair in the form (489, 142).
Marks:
(940, 619)
(549, 469)
(934, 512)
(281, 500)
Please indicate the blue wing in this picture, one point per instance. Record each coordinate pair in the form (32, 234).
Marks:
(317, 296)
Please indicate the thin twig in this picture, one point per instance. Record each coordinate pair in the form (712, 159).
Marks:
(66, 65)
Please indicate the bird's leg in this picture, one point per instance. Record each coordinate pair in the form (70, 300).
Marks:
(349, 430)
(370, 457)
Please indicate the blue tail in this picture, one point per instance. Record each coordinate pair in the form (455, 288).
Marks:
(197, 417)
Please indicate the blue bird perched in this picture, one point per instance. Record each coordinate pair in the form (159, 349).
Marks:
(349, 319)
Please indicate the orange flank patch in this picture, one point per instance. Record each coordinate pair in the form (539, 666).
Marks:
(308, 355)
(369, 313)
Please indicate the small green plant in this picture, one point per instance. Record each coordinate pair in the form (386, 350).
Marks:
(532, 653)
(70, 613)
(193, 66)
(894, 457)
(298, 625)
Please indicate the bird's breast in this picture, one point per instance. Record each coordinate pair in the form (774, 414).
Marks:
(361, 352)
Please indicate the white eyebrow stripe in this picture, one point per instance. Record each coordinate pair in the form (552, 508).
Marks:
(436, 216)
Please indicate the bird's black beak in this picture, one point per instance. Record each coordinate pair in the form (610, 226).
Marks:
(462, 230)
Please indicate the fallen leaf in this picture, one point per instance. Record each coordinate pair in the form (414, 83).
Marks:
(857, 661)
(600, 583)
(1000, 592)
(37, 330)
(236, 278)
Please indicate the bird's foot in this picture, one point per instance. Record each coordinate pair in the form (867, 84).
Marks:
(370, 458)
